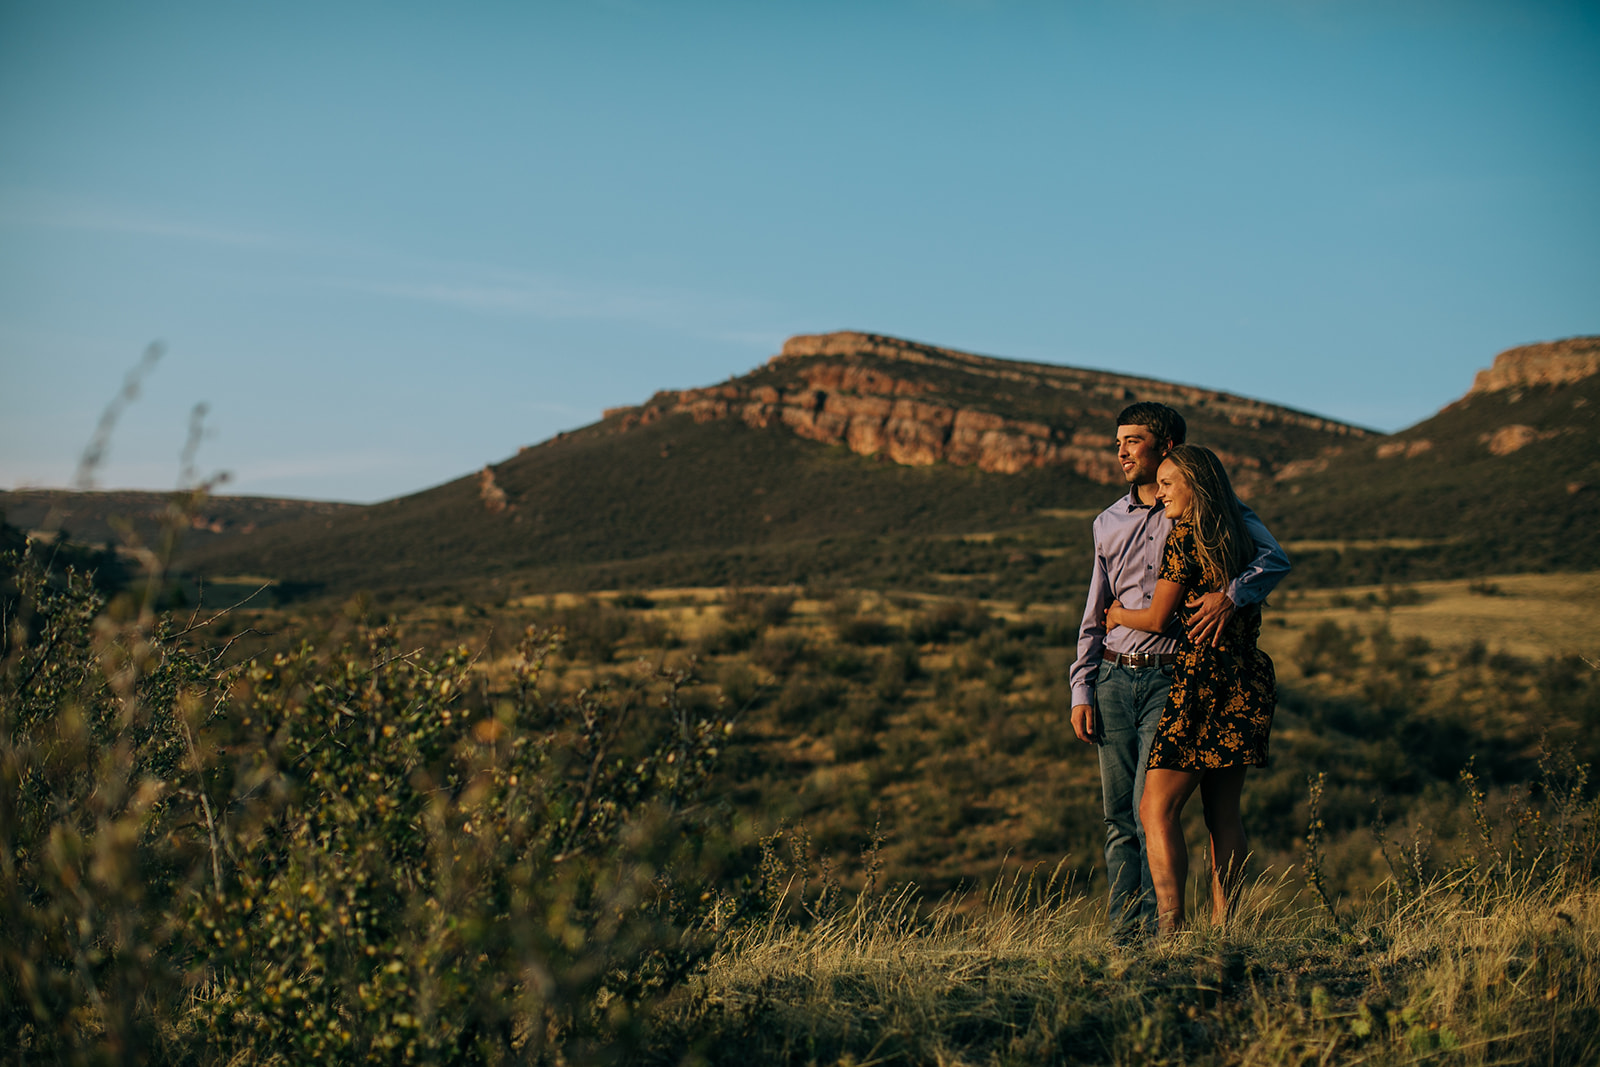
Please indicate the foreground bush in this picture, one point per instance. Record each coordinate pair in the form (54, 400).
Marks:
(329, 857)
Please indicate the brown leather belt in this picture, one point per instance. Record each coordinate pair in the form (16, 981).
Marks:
(1141, 659)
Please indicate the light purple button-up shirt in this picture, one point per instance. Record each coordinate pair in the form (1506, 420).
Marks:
(1129, 538)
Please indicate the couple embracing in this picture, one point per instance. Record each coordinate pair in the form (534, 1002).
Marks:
(1169, 683)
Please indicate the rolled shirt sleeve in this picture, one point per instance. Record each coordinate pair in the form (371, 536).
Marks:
(1091, 630)
(1262, 576)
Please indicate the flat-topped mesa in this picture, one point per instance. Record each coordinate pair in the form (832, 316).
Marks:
(872, 413)
(1548, 363)
(1239, 410)
(845, 388)
(856, 343)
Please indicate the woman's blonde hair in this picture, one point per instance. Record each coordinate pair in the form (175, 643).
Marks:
(1221, 537)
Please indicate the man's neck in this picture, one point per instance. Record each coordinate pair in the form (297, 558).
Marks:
(1146, 493)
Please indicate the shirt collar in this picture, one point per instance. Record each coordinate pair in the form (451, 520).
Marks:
(1134, 503)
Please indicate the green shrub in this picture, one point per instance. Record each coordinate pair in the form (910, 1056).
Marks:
(780, 653)
(866, 630)
(727, 640)
(804, 699)
(739, 684)
(758, 609)
(1328, 647)
(844, 661)
(900, 665)
(593, 630)
(325, 857)
(944, 621)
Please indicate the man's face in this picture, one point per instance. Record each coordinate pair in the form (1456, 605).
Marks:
(1139, 451)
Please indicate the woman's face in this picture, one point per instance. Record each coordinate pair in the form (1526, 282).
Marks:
(1173, 490)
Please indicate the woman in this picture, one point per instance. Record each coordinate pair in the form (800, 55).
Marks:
(1219, 710)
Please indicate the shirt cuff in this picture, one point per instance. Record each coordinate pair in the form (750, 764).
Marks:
(1082, 694)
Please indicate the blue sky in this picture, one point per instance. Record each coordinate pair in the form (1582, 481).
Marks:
(387, 243)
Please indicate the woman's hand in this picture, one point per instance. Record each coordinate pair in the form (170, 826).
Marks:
(1114, 615)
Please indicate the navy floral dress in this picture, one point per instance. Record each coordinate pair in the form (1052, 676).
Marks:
(1219, 710)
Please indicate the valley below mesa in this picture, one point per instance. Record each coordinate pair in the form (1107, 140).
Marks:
(796, 647)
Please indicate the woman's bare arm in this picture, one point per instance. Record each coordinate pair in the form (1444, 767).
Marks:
(1152, 619)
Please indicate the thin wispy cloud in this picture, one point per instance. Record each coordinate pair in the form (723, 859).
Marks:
(495, 292)
(535, 298)
(50, 213)
(472, 287)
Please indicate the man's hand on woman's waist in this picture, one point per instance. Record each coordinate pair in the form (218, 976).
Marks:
(1211, 614)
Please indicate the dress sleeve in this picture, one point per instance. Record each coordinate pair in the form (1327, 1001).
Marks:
(1178, 563)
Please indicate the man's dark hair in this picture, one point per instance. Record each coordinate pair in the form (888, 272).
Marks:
(1159, 419)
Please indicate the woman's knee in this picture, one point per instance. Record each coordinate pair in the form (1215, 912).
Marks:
(1160, 806)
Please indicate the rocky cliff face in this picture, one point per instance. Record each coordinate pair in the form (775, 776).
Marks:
(1550, 363)
(918, 404)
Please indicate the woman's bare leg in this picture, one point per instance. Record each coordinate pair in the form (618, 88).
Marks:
(1165, 793)
(1220, 791)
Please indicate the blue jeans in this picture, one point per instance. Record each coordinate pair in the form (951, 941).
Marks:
(1130, 701)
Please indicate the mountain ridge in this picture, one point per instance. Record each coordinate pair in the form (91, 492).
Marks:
(863, 458)
(851, 388)
(1563, 362)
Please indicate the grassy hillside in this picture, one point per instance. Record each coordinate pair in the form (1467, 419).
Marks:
(1454, 506)
(704, 498)
(366, 846)
(674, 501)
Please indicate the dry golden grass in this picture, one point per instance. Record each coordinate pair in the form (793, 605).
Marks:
(1032, 978)
(971, 767)
(1527, 615)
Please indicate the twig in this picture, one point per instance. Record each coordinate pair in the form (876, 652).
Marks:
(205, 805)
(192, 627)
(199, 601)
(395, 658)
(1314, 847)
(223, 651)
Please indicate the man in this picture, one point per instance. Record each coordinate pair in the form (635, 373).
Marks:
(1119, 685)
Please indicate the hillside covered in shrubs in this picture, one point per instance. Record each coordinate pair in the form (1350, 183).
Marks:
(804, 828)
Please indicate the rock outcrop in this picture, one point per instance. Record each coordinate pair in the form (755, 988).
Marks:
(1089, 384)
(1549, 363)
(887, 397)
(1514, 438)
(489, 491)
(883, 396)
(1408, 449)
